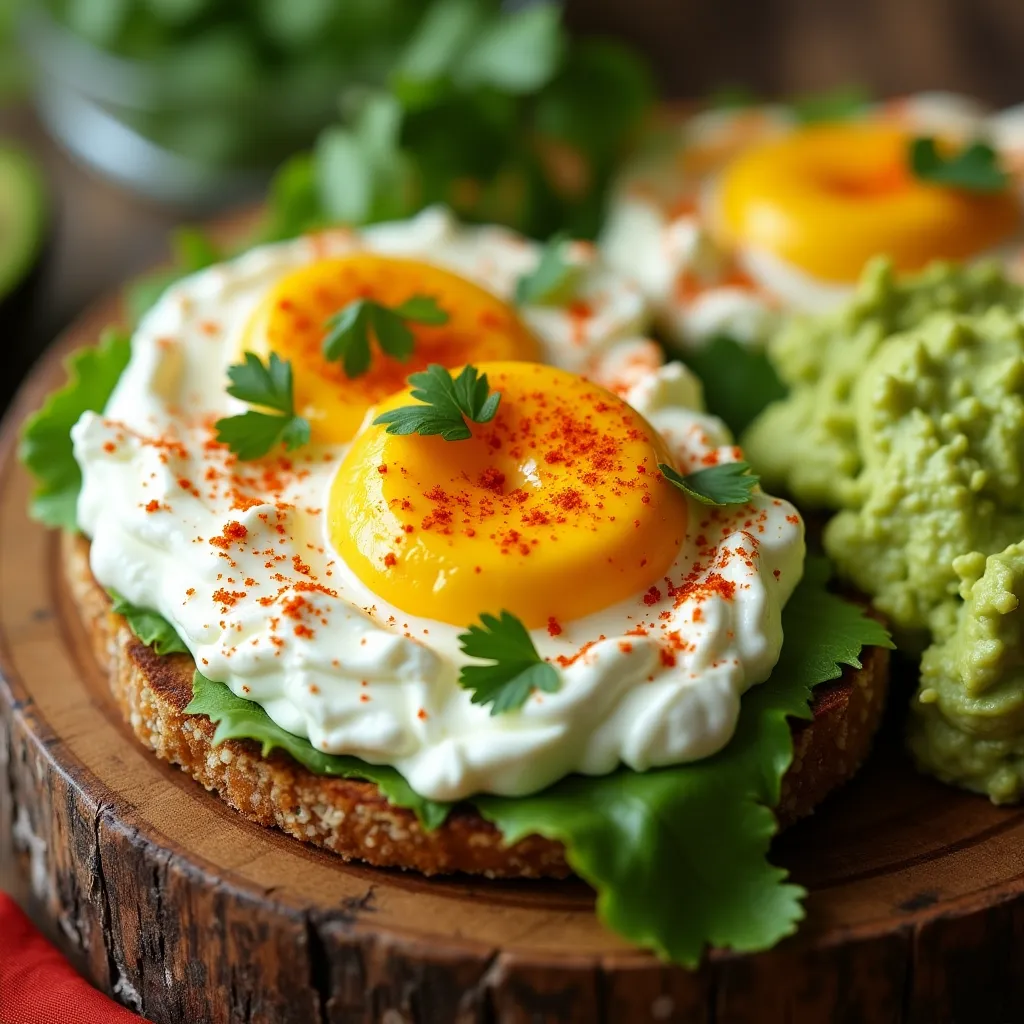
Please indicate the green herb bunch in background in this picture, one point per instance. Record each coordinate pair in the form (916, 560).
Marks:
(226, 83)
(496, 112)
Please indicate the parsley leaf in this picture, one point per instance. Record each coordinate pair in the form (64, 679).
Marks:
(517, 668)
(348, 330)
(730, 483)
(697, 835)
(149, 626)
(252, 434)
(552, 281)
(46, 448)
(238, 718)
(975, 168)
(448, 403)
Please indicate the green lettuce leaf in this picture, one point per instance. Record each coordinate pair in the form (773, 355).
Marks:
(739, 381)
(239, 719)
(678, 856)
(46, 448)
(152, 629)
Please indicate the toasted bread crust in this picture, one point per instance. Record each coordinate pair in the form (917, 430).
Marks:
(352, 818)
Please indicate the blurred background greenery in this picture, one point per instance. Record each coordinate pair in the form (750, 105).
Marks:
(145, 113)
(488, 107)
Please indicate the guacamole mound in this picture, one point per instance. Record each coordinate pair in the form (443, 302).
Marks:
(967, 724)
(807, 443)
(906, 416)
(939, 419)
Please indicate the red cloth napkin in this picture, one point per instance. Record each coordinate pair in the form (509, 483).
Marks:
(38, 986)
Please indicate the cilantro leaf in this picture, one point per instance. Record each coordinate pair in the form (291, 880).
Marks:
(552, 281)
(448, 402)
(517, 52)
(269, 385)
(442, 35)
(730, 483)
(517, 668)
(739, 380)
(348, 330)
(975, 168)
(347, 338)
(149, 626)
(46, 448)
(461, 46)
(252, 434)
(422, 309)
(237, 718)
(678, 855)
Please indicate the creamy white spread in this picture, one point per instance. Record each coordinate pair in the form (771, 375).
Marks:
(236, 556)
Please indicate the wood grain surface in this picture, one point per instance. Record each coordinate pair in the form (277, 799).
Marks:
(173, 903)
(786, 47)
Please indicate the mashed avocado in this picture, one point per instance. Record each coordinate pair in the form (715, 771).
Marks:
(807, 443)
(967, 725)
(939, 422)
(906, 414)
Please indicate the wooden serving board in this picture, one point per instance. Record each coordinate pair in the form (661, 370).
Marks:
(177, 906)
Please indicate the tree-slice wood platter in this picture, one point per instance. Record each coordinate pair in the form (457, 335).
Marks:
(181, 909)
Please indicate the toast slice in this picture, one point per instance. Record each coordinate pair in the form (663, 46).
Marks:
(352, 818)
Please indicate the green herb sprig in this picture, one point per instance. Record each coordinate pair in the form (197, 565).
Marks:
(553, 280)
(348, 330)
(730, 483)
(448, 403)
(253, 434)
(149, 626)
(974, 168)
(516, 669)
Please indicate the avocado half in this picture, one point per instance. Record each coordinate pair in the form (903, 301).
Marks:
(23, 217)
(24, 233)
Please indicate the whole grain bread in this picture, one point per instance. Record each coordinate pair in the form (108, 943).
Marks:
(352, 818)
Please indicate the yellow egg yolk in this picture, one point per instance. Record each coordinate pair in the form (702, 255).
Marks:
(292, 321)
(826, 199)
(553, 510)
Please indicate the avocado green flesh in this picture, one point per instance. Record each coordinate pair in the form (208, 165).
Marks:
(22, 217)
(968, 720)
(906, 416)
